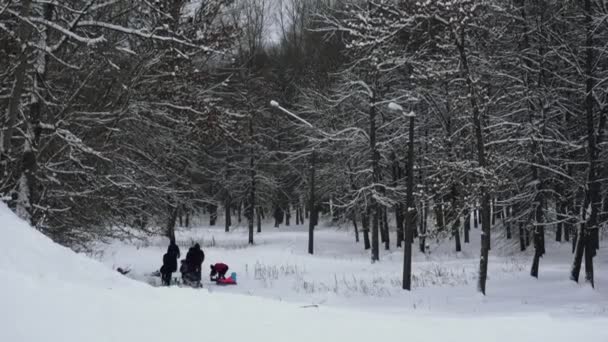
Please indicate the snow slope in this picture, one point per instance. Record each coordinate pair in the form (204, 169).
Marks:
(49, 293)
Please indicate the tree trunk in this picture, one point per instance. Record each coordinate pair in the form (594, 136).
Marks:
(567, 231)
(181, 219)
(365, 224)
(507, 221)
(439, 216)
(387, 241)
(396, 172)
(259, 220)
(212, 214)
(374, 155)
(354, 218)
(228, 218)
(539, 239)
(522, 237)
(171, 220)
(423, 230)
(375, 233)
(589, 234)
(239, 212)
(287, 212)
(251, 203)
(381, 225)
(312, 204)
(297, 209)
(475, 218)
(14, 101)
(467, 227)
(187, 218)
(399, 220)
(456, 234)
(410, 212)
(481, 159)
(560, 224)
(493, 211)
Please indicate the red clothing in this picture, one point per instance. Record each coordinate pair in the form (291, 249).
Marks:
(226, 281)
(221, 268)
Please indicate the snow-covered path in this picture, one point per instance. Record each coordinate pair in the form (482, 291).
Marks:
(49, 293)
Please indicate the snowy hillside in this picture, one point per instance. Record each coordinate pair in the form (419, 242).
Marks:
(51, 294)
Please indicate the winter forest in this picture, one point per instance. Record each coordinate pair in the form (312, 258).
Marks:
(396, 125)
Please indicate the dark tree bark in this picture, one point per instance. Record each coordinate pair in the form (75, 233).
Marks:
(476, 218)
(387, 237)
(251, 208)
(354, 218)
(456, 234)
(313, 205)
(24, 31)
(212, 214)
(187, 217)
(467, 227)
(508, 222)
(588, 237)
(559, 229)
(381, 226)
(539, 240)
(375, 233)
(481, 160)
(181, 221)
(439, 216)
(297, 209)
(522, 237)
(374, 155)
(494, 211)
(239, 212)
(228, 218)
(365, 224)
(259, 219)
(410, 212)
(171, 220)
(397, 174)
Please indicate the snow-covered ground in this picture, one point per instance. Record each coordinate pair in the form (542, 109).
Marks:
(341, 274)
(49, 293)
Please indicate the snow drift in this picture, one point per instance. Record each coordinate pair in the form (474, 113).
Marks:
(49, 293)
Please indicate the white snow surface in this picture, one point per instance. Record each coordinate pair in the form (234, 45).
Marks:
(49, 293)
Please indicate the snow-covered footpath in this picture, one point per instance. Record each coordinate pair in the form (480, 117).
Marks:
(49, 293)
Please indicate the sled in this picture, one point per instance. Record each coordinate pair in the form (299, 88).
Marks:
(227, 281)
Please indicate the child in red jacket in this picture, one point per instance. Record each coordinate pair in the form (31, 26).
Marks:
(218, 271)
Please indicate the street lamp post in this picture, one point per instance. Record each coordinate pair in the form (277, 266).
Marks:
(410, 206)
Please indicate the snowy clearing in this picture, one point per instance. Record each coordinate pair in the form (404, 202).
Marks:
(50, 293)
(341, 274)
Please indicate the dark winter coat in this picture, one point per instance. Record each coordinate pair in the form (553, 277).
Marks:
(195, 257)
(167, 264)
(173, 250)
(174, 254)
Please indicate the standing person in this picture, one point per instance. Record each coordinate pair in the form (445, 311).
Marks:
(194, 259)
(174, 254)
(165, 270)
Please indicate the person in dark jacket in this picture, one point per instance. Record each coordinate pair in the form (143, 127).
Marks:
(218, 271)
(166, 270)
(174, 254)
(194, 259)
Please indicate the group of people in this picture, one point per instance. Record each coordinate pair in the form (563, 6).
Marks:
(190, 267)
